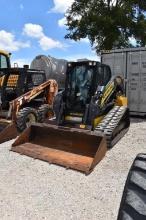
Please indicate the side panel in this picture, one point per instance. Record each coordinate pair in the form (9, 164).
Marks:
(142, 107)
(133, 78)
(136, 88)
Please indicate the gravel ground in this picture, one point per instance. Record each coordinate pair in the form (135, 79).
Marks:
(34, 190)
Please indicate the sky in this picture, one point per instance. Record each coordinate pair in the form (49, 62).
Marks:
(32, 27)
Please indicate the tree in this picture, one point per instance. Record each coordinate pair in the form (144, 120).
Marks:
(108, 24)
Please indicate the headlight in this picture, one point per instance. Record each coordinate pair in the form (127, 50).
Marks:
(69, 64)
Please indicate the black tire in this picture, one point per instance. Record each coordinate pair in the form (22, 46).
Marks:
(25, 117)
(133, 203)
(43, 112)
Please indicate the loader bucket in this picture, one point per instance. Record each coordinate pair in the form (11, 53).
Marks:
(73, 148)
(8, 131)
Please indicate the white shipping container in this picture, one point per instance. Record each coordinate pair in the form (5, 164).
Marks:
(130, 63)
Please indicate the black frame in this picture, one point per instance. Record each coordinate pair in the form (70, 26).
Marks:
(94, 82)
(22, 85)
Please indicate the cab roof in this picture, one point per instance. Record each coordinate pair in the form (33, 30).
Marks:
(4, 53)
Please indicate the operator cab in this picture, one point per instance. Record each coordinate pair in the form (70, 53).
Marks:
(82, 81)
(4, 60)
(4, 63)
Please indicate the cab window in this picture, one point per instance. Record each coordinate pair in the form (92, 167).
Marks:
(3, 61)
(104, 75)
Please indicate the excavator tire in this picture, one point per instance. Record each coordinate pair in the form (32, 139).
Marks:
(44, 111)
(133, 203)
(25, 117)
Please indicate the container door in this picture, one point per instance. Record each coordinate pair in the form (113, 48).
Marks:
(142, 106)
(133, 77)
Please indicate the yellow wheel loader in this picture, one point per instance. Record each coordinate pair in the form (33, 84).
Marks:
(4, 59)
(4, 63)
(25, 97)
(91, 116)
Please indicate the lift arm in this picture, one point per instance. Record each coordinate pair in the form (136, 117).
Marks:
(50, 88)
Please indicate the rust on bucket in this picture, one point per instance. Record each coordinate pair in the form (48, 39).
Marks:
(8, 130)
(73, 148)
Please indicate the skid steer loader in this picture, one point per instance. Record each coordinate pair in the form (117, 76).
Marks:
(91, 116)
(25, 97)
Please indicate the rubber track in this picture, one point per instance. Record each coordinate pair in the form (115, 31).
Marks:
(110, 121)
(133, 203)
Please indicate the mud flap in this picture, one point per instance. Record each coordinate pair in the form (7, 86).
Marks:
(73, 148)
(8, 131)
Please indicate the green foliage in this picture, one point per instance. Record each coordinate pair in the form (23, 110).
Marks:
(108, 24)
